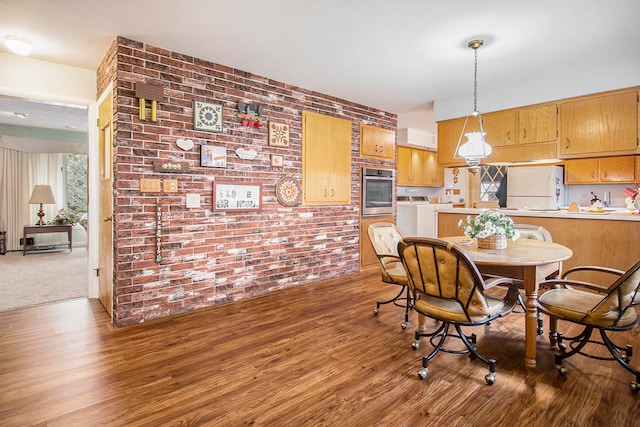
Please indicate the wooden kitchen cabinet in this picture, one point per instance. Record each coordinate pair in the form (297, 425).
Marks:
(599, 124)
(515, 135)
(326, 160)
(500, 128)
(538, 124)
(419, 168)
(604, 170)
(448, 135)
(377, 143)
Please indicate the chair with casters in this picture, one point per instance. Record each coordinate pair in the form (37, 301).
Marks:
(384, 237)
(534, 232)
(447, 286)
(604, 308)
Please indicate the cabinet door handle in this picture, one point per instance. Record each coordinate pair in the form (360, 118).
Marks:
(605, 174)
(508, 135)
(593, 175)
(568, 143)
(524, 133)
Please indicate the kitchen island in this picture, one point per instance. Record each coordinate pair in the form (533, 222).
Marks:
(610, 239)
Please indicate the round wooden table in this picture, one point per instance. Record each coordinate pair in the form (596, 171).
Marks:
(524, 259)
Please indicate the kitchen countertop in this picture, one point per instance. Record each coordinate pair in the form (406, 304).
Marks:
(615, 214)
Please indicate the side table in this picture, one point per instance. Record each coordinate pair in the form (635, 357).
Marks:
(38, 229)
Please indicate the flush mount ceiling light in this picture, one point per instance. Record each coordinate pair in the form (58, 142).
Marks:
(475, 148)
(17, 44)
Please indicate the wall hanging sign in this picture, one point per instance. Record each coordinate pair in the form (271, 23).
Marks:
(246, 153)
(213, 156)
(236, 197)
(184, 144)
(278, 134)
(207, 116)
(288, 191)
(170, 166)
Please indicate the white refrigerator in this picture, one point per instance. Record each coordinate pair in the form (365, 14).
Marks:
(536, 187)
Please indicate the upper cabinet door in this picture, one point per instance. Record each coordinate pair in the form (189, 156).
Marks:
(326, 160)
(538, 124)
(377, 143)
(603, 124)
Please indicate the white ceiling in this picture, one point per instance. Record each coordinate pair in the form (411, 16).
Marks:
(395, 55)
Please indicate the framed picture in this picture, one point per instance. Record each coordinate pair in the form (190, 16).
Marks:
(236, 197)
(207, 116)
(276, 161)
(213, 156)
(278, 134)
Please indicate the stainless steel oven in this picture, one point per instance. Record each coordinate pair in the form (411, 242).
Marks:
(378, 191)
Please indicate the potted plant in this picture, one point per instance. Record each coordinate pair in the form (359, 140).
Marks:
(63, 218)
(491, 228)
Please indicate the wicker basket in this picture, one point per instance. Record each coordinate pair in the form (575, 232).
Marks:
(493, 242)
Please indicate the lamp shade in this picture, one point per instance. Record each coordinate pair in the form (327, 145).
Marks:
(42, 194)
(475, 148)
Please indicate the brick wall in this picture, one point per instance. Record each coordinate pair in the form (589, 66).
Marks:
(211, 257)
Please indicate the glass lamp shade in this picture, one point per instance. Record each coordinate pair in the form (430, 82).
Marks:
(475, 149)
(42, 194)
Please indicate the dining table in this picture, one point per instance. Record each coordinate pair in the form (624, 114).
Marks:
(528, 260)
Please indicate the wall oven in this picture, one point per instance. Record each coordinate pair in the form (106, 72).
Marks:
(378, 191)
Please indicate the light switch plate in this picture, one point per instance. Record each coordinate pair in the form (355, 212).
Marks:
(170, 185)
(149, 185)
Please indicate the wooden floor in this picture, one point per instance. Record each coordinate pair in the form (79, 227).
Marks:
(310, 356)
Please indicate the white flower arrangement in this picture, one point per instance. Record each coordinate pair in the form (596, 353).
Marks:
(489, 223)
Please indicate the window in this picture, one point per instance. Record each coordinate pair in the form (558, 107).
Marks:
(490, 177)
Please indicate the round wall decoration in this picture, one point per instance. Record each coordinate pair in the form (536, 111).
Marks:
(288, 191)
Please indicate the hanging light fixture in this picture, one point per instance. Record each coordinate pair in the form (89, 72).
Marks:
(475, 148)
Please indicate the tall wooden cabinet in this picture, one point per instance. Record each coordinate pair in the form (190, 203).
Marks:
(326, 160)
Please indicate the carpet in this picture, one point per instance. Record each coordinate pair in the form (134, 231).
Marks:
(42, 278)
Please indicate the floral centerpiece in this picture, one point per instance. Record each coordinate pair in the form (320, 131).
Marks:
(491, 228)
(63, 218)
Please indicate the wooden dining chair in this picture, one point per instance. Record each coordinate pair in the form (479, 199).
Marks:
(447, 286)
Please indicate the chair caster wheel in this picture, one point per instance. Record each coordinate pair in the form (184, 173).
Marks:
(415, 345)
(562, 371)
(634, 387)
(404, 325)
(375, 312)
(490, 378)
(422, 373)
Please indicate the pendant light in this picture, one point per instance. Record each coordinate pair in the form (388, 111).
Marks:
(475, 148)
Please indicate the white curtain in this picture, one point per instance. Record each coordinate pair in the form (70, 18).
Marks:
(19, 173)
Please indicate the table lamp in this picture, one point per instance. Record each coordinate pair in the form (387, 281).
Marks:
(42, 194)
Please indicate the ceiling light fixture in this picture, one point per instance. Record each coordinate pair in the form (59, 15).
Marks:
(475, 148)
(18, 45)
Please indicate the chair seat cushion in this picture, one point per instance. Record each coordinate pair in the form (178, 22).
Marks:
(398, 275)
(450, 310)
(580, 306)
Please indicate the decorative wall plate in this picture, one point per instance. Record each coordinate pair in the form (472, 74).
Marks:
(288, 191)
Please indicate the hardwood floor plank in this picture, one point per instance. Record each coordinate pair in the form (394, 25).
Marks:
(308, 356)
